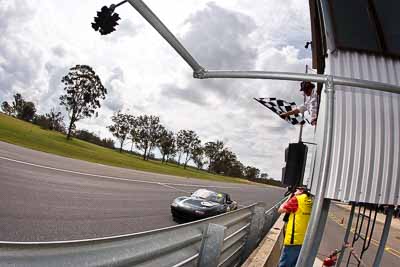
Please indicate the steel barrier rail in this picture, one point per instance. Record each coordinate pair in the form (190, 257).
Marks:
(223, 240)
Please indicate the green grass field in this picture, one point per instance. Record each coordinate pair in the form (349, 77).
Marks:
(28, 135)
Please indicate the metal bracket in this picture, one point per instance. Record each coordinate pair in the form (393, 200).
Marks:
(211, 245)
(114, 6)
(199, 74)
(256, 228)
(329, 84)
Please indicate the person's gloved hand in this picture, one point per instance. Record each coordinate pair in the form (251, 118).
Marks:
(314, 122)
(284, 115)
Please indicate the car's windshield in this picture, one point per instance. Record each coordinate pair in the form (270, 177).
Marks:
(209, 195)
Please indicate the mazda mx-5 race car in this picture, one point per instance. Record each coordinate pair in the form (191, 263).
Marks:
(201, 204)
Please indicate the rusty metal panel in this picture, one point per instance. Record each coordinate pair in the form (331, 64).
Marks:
(366, 134)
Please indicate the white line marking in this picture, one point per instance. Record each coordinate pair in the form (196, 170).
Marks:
(114, 178)
(175, 188)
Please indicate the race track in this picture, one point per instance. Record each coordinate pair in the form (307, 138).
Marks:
(44, 197)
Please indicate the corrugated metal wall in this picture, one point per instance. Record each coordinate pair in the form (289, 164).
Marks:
(365, 163)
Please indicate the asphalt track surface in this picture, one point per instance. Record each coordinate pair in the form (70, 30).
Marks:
(334, 234)
(44, 197)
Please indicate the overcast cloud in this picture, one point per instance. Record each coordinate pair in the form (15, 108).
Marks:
(41, 40)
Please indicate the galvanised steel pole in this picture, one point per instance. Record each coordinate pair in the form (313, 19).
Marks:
(292, 76)
(385, 234)
(320, 209)
(272, 75)
(347, 234)
(302, 115)
(157, 24)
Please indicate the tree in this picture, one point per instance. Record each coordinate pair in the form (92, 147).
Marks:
(107, 142)
(93, 138)
(189, 141)
(142, 135)
(28, 111)
(167, 144)
(224, 161)
(18, 105)
(7, 108)
(198, 156)
(236, 169)
(85, 135)
(121, 127)
(251, 172)
(20, 108)
(50, 121)
(211, 150)
(147, 134)
(133, 131)
(156, 130)
(42, 121)
(56, 121)
(180, 142)
(83, 91)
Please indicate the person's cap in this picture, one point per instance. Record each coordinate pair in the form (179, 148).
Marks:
(304, 85)
(303, 188)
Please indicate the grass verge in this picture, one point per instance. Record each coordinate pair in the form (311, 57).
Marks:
(28, 135)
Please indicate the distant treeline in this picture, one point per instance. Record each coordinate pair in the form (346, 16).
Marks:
(53, 120)
(146, 133)
(83, 92)
(267, 181)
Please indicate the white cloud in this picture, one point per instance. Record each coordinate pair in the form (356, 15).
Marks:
(143, 74)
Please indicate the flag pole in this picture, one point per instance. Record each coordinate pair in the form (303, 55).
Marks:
(301, 126)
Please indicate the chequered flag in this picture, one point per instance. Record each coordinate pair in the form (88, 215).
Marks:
(279, 106)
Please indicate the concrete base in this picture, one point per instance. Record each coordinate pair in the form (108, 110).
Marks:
(267, 254)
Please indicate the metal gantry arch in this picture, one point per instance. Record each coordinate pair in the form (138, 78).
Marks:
(321, 204)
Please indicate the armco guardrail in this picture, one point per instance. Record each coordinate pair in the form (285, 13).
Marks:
(224, 240)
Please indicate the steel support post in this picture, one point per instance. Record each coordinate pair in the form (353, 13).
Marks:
(347, 234)
(268, 220)
(302, 114)
(319, 231)
(211, 245)
(320, 209)
(385, 234)
(256, 228)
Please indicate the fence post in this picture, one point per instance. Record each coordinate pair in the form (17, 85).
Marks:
(256, 228)
(211, 245)
(385, 233)
(268, 222)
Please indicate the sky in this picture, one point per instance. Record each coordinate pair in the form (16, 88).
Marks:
(41, 40)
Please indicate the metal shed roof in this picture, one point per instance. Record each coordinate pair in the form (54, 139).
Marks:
(365, 161)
